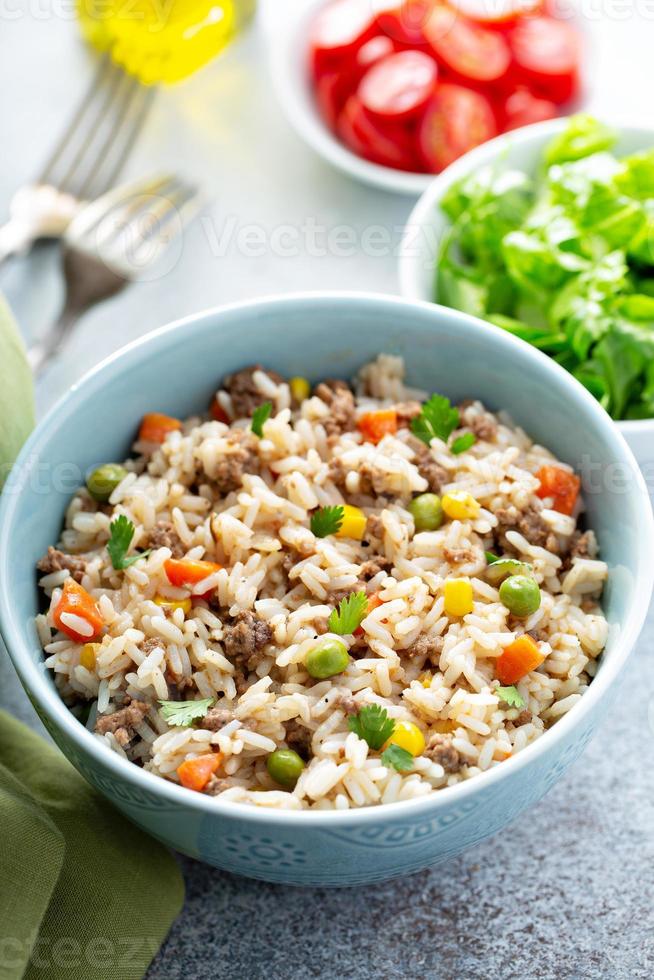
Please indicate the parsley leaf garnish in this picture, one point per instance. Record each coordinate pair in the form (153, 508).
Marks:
(511, 696)
(372, 724)
(121, 534)
(327, 520)
(259, 416)
(397, 757)
(351, 610)
(437, 419)
(180, 714)
(463, 442)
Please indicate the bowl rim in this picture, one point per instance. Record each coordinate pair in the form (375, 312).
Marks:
(288, 34)
(479, 157)
(38, 684)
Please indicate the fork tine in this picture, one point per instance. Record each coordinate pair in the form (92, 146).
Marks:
(117, 154)
(103, 71)
(86, 133)
(130, 220)
(109, 208)
(187, 201)
(101, 134)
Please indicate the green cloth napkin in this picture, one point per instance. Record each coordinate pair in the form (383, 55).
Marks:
(84, 894)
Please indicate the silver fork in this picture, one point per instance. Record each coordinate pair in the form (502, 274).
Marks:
(86, 161)
(110, 243)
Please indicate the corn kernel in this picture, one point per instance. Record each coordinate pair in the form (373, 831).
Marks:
(461, 506)
(443, 726)
(354, 523)
(458, 596)
(170, 605)
(88, 654)
(408, 736)
(300, 389)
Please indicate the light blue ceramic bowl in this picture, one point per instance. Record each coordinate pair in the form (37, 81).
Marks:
(176, 370)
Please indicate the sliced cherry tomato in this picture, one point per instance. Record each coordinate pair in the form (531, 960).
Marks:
(388, 146)
(332, 90)
(373, 51)
(522, 108)
(398, 86)
(470, 51)
(498, 13)
(404, 22)
(561, 485)
(456, 120)
(338, 31)
(546, 53)
(334, 87)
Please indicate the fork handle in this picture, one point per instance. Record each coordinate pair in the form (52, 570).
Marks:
(40, 354)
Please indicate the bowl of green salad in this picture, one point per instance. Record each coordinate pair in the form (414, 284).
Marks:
(547, 232)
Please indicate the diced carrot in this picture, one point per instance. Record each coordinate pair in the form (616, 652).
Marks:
(217, 412)
(196, 773)
(188, 571)
(561, 485)
(76, 601)
(155, 427)
(518, 659)
(375, 425)
(373, 602)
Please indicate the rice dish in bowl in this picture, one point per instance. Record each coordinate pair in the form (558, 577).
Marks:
(325, 599)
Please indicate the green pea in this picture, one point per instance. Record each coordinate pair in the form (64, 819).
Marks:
(102, 482)
(285, 767)
(427, 512)
(503, 568)
(521, 595)
(327, 658)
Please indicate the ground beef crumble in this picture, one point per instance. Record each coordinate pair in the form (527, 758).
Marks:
(245, 639)
(440, 749)
(122, 722)
(582, 544)
(298, 738)
(342, 416)
(425, 647)
(459, 555)
(482, 424)
(529, 523)
(431, 471)
(240, 456)
(215, 719)
(347, 703)
(243, 391)
(164, 535)
(373, 566)
(56, 561)
(216, 785)
(374, 527)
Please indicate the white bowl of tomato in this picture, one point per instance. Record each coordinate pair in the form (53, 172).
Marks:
(393, 91)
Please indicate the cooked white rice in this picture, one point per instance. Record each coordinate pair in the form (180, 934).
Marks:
(275, 567)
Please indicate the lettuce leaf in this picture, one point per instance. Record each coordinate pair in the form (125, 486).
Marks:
(564, 262)
(583, 136)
